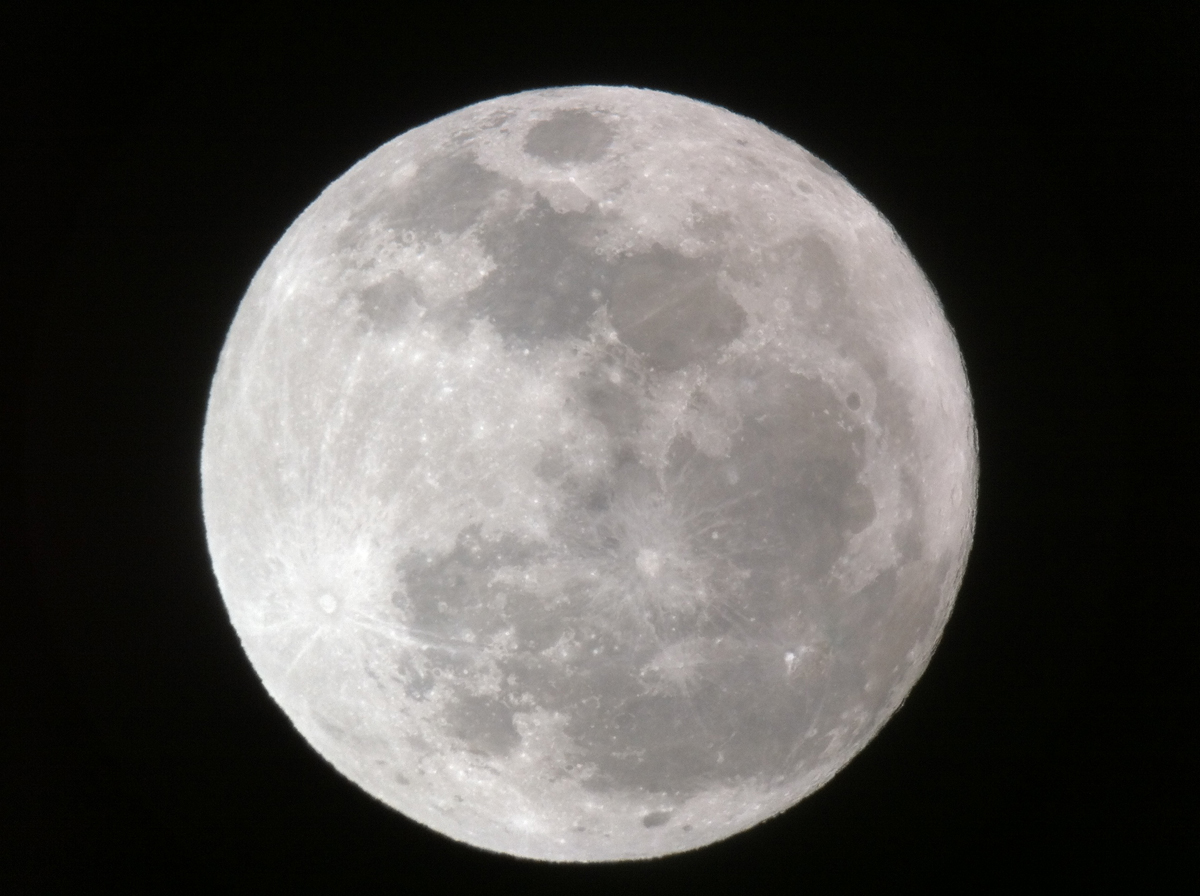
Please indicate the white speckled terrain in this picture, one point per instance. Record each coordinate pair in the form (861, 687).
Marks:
(589, 473)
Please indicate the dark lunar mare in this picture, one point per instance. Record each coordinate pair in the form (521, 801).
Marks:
(570, 136)
(739, 716)
(548, 279)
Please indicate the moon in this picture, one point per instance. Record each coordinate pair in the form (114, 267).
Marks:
(589, 473)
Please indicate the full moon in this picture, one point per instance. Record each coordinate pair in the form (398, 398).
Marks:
(589, 473)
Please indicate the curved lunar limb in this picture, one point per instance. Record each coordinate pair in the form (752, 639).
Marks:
(589, 473)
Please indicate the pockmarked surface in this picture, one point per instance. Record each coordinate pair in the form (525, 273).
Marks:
(589, 473)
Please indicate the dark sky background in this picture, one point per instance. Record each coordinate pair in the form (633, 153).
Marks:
(1043, 173)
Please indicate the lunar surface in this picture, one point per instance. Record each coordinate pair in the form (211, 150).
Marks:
(589, 473)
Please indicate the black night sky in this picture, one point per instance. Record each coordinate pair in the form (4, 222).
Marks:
(1041, 170)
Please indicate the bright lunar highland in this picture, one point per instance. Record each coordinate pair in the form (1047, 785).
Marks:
(589, 473)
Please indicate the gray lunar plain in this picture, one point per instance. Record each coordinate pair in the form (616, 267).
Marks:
(589, 473)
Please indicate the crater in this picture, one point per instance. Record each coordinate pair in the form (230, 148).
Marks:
(655, 819)
(569, 136)
(649, 562)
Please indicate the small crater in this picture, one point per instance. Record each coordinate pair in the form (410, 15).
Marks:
(853, 402)
(655, 819)
(569, 136)
(328, 603)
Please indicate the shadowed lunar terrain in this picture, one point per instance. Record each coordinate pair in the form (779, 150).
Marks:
(589, 473)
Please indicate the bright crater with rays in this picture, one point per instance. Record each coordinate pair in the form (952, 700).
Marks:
(589, 473)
